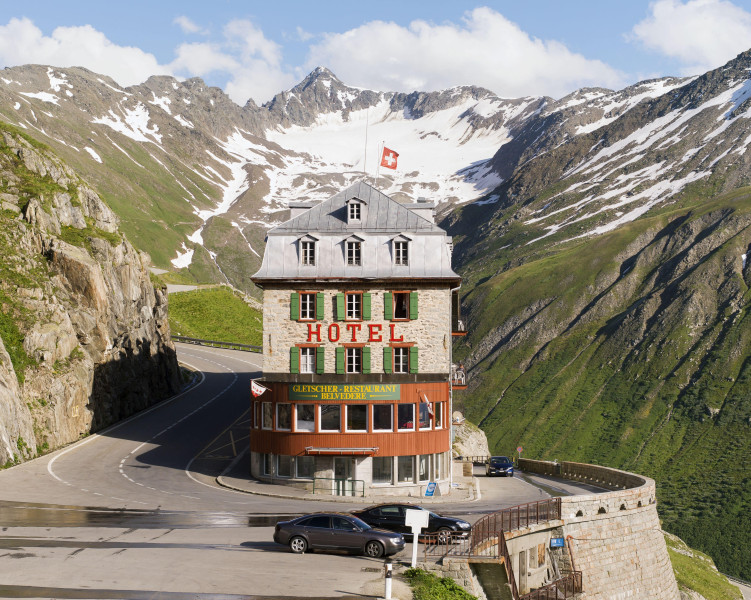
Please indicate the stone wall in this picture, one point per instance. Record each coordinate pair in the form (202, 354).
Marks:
(614, 537)
(431, 331)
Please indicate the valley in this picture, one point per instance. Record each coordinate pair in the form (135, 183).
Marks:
(602, 240)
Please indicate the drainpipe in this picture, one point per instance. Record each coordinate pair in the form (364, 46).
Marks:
(451, 386)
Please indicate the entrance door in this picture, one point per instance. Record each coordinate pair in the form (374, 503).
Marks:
(343, 483)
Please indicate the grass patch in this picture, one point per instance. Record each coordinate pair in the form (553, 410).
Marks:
(214, 314)
(696, 571)
(426, 586)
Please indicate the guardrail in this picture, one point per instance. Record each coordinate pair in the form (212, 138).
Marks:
(487, 540)
(215, 344)
(340, 487)
(475, 460)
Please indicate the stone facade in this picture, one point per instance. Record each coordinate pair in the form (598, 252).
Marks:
(430, 332)
(614, 537)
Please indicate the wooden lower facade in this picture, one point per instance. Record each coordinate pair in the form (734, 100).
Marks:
(385, 438)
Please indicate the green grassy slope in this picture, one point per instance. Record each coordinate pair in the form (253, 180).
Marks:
(632, 350)
(214, 314)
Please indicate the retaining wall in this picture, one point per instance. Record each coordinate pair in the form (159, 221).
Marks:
(614, 537)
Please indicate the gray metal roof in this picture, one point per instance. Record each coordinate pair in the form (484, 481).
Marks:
(381, 215)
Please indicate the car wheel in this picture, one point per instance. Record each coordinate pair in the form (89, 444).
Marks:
(374, 549)
(444, 535)
(298, 544)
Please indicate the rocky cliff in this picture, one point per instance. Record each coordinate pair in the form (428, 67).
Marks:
(84, 338)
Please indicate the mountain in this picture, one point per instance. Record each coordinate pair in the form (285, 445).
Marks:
(197, 180)
(84, 337)
(602, 238)
(607, 293)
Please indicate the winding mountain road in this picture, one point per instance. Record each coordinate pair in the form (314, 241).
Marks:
(135, 512)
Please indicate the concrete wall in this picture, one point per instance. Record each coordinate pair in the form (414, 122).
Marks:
(614, 537)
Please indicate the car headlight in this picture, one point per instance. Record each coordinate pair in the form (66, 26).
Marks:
(464, 525)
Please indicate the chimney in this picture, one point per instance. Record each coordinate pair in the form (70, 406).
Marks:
(423, 208)
(298, 208)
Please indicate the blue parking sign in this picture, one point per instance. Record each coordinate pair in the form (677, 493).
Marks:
(430, 489)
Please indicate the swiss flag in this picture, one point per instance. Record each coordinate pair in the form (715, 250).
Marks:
(389, 157)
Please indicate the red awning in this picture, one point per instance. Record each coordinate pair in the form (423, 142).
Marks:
(341, 451)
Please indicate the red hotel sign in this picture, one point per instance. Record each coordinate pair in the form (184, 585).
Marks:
(374, 332)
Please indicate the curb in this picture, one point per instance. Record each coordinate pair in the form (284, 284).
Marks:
(474, 491)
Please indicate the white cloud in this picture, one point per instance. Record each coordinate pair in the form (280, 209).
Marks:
(486, 49)
(22, 42)
(187, 25)
(701, 34)
(252, 61)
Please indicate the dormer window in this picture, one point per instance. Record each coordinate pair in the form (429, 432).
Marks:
(308, 254)
(356, 211)
(401, 253)
(400, 250)
(307, 249)
(354, 253)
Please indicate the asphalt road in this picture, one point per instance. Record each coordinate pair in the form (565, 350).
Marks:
(135, 512)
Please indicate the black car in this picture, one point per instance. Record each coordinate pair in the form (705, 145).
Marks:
(336, 531)
(392, 517)
(499, 465)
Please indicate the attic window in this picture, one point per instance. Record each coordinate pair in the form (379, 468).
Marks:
(353, 253)
(308, 251)
(354, 211)
(401, 253)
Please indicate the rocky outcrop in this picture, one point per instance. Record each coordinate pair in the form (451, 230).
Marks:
(90, 338)
(469, 440)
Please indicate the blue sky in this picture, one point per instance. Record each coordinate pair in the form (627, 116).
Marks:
(256, 49)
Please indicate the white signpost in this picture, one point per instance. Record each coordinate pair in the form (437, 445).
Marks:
(417, 520)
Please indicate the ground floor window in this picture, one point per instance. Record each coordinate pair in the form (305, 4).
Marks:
(330, 417)
(305, 417)
(267, 464)
(382, 468)
(284, 466)
(406, 469)
(424, 469)
(306, 467)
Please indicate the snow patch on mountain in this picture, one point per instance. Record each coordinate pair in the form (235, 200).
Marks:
(43, 96)
(93, 154)
(135, 125)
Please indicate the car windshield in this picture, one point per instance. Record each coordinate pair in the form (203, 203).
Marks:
(499, 460)
(361, 524)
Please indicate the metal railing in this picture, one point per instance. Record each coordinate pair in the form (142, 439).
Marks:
(565, 587)
(215, 344)
(487, 540)
(340, 487)
(475, 460)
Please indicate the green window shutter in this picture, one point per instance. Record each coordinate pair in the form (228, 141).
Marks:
(340, 360)
(366, 360)
(388, 306)
(366, 306)
(294, 306)
(320, 360)
(294, 360)
(340, 307)
(413, 359)
(413, 305)
(387, 364)
(319, 306)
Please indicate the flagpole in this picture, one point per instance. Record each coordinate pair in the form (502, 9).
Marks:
(378, 162)
(365, 159)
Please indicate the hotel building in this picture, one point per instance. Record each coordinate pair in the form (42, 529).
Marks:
(358, 325)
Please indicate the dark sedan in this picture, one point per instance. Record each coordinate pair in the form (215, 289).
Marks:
(335, 531)
(499, 465)
(392, 517)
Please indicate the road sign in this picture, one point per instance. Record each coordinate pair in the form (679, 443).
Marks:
(519, 449)
(556, 542)
(430, 490)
